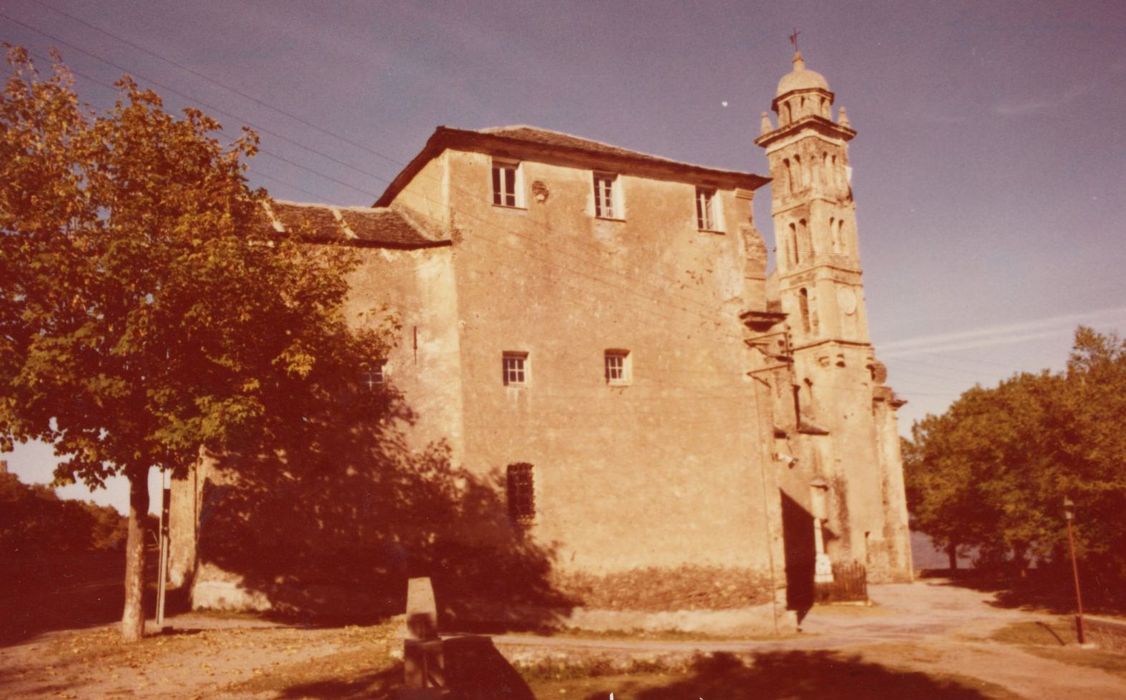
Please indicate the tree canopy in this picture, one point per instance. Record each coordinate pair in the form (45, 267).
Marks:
(148, 308)
(992, 471)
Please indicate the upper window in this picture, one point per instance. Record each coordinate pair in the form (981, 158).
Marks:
(618, 367)
(607, 196)
(707, 216)
(515, 368)
(507, 191)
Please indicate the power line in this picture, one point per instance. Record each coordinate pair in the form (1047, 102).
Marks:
(710, 307)
(219, 110)
(233, 137)
(588, 259)
(225, 86)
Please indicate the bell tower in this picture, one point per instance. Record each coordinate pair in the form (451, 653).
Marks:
(844, 414)
(817, 259)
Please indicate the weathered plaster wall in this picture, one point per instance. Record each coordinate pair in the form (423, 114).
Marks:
(416, 289)
(660, 473)
(427, 194)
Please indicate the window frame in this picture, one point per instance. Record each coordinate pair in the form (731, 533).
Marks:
(374, 374)
(709, 213)
(520, 493)
(610, 208)
(515, 374)
(623, 370)
(497, 178)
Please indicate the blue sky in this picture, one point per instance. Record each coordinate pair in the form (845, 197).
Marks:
(989, 169)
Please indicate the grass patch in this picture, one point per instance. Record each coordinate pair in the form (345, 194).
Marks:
(666, 635)
(1112, 663)
(821, 674)
(570, 669)
(1055, 639)
(1056, 632)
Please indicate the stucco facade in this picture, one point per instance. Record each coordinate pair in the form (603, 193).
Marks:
(607, 318)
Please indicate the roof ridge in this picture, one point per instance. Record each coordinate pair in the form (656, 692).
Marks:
(327, 205)
(498, 131)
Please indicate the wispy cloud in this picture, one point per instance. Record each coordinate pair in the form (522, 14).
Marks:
(996, 335)
(1055, 100)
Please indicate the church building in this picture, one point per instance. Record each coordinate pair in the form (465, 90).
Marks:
(593, 334)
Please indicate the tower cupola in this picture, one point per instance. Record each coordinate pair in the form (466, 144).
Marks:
(802, 93)
(801, 78)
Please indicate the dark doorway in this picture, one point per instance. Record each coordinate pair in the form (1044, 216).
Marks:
(797, 537)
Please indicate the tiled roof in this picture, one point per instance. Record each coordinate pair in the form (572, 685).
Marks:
(546, 137)
(361, 226)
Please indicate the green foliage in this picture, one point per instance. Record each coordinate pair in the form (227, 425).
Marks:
(992, 471)
(33, 519)
(148, 309)
(147, 306)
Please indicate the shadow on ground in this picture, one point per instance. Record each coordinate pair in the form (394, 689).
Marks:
(825, 675)
(72, 590)
(376, 685)
(474, 670)
(1048, 588)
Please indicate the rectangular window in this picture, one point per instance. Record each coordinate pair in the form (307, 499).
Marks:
(521, 493)
(706, 219)
(373, 374)
(506, 184)
(515, 368)
(607, 204)
(618, 369)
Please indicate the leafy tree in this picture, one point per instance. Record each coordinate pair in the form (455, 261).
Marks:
(34, 519)
(148, 310)
(993, 470)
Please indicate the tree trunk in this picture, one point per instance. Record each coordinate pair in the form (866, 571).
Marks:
(133, 617)
(952, 553)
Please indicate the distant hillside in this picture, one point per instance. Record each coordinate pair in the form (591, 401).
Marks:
(34, 520)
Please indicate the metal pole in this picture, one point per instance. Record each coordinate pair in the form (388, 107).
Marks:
(1078, 595)
(162, 573)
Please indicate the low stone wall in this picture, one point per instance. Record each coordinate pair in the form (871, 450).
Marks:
(489, 616)
(695, 599)
(1107, 634)
(664, 589)
(215, 589)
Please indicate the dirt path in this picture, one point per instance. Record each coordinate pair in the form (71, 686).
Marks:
(934, 629)
(925, 626)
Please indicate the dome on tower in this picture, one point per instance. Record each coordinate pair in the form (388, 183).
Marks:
(800, 78)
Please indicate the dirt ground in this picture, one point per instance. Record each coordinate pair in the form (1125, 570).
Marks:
(927, 639)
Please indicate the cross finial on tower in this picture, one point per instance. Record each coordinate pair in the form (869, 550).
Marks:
(794, 38)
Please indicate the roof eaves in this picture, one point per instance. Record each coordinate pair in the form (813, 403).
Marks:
(445, 137)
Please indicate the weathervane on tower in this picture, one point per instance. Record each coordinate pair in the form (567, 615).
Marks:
(794, 38)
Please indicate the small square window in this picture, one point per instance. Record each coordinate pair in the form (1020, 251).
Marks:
(515, 368)
(521, 492)
(373, 374)
(507, 190)
(607, 196)
(707, 216)
(618, 367)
